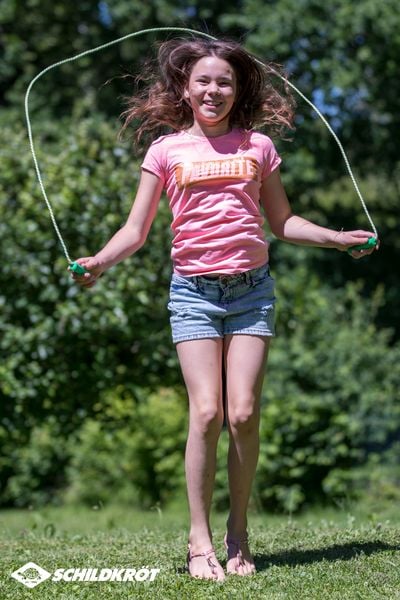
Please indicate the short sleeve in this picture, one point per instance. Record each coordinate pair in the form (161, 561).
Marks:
(154, 160)
(272, 160)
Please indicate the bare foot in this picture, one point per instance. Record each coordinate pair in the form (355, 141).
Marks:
(204, 565)
(240, 561)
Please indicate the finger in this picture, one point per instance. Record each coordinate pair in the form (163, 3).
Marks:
(357, 253)
(85, 280)
(361, 253)
(90, 263)
(362, 233)
(89, 284)
(80, 277)
(89, 278)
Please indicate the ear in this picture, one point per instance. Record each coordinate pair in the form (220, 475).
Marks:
(186, 94)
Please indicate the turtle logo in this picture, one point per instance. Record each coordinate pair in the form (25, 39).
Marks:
(31, 575)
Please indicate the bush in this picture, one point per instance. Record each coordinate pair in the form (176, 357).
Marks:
(331, 395)
(55, 336)
(330, 399)
(38, 466)
(132, 452)
(376, 482)
(61, 346)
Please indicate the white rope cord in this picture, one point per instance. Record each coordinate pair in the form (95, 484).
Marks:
(346, 160)
(156, 30)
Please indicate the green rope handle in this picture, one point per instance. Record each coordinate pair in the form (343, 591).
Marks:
(74, 266)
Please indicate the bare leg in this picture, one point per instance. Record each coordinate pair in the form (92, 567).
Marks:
(245, 359)
(201, 362)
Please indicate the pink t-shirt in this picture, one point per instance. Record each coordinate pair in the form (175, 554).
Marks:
(213, 186)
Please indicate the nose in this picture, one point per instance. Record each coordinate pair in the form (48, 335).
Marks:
(213, 88)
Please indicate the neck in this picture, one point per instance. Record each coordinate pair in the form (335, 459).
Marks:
(216, 130)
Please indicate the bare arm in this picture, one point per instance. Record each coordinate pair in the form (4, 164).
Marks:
(131, 236)
(292, 228)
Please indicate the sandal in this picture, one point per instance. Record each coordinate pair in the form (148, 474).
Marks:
(232, 543)
(206, 555)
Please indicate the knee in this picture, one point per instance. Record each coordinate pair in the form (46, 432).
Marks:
(207, 418)
(243, 417)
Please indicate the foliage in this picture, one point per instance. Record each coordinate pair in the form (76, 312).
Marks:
(36, 34)
(331, 396)
(338, 53)
(330, 399)
(61, 346)
(377, 481)
(336, 207)
(132, 451)
(59, 341)
(37, 467)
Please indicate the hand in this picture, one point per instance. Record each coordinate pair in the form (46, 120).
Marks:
(346, 239)
(92, 265)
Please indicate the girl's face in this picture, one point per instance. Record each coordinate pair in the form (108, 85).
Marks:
(211, 92)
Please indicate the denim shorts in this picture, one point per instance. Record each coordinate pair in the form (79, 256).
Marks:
(212, 307)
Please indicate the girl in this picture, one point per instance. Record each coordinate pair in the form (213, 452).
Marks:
(218, 174)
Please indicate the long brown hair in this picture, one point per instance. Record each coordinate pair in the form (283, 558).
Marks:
(160, 103)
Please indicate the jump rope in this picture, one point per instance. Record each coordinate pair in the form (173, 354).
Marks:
(76, 267)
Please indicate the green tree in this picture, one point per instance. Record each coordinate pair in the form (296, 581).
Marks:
(36, 34)
(60, 345)
(340, 51)
(63, 348)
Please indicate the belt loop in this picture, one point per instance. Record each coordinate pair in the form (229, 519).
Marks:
(249, 278)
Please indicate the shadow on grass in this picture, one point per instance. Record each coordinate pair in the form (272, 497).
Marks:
(330, 553)
(293, 558)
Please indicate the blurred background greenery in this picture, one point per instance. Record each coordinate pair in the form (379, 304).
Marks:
(92, 407)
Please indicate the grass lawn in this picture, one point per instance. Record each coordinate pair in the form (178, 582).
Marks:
(343, 555)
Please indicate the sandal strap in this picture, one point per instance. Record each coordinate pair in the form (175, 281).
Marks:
(205, 554)
(236, 542)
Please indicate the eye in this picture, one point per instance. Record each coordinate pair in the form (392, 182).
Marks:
(225, 83)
